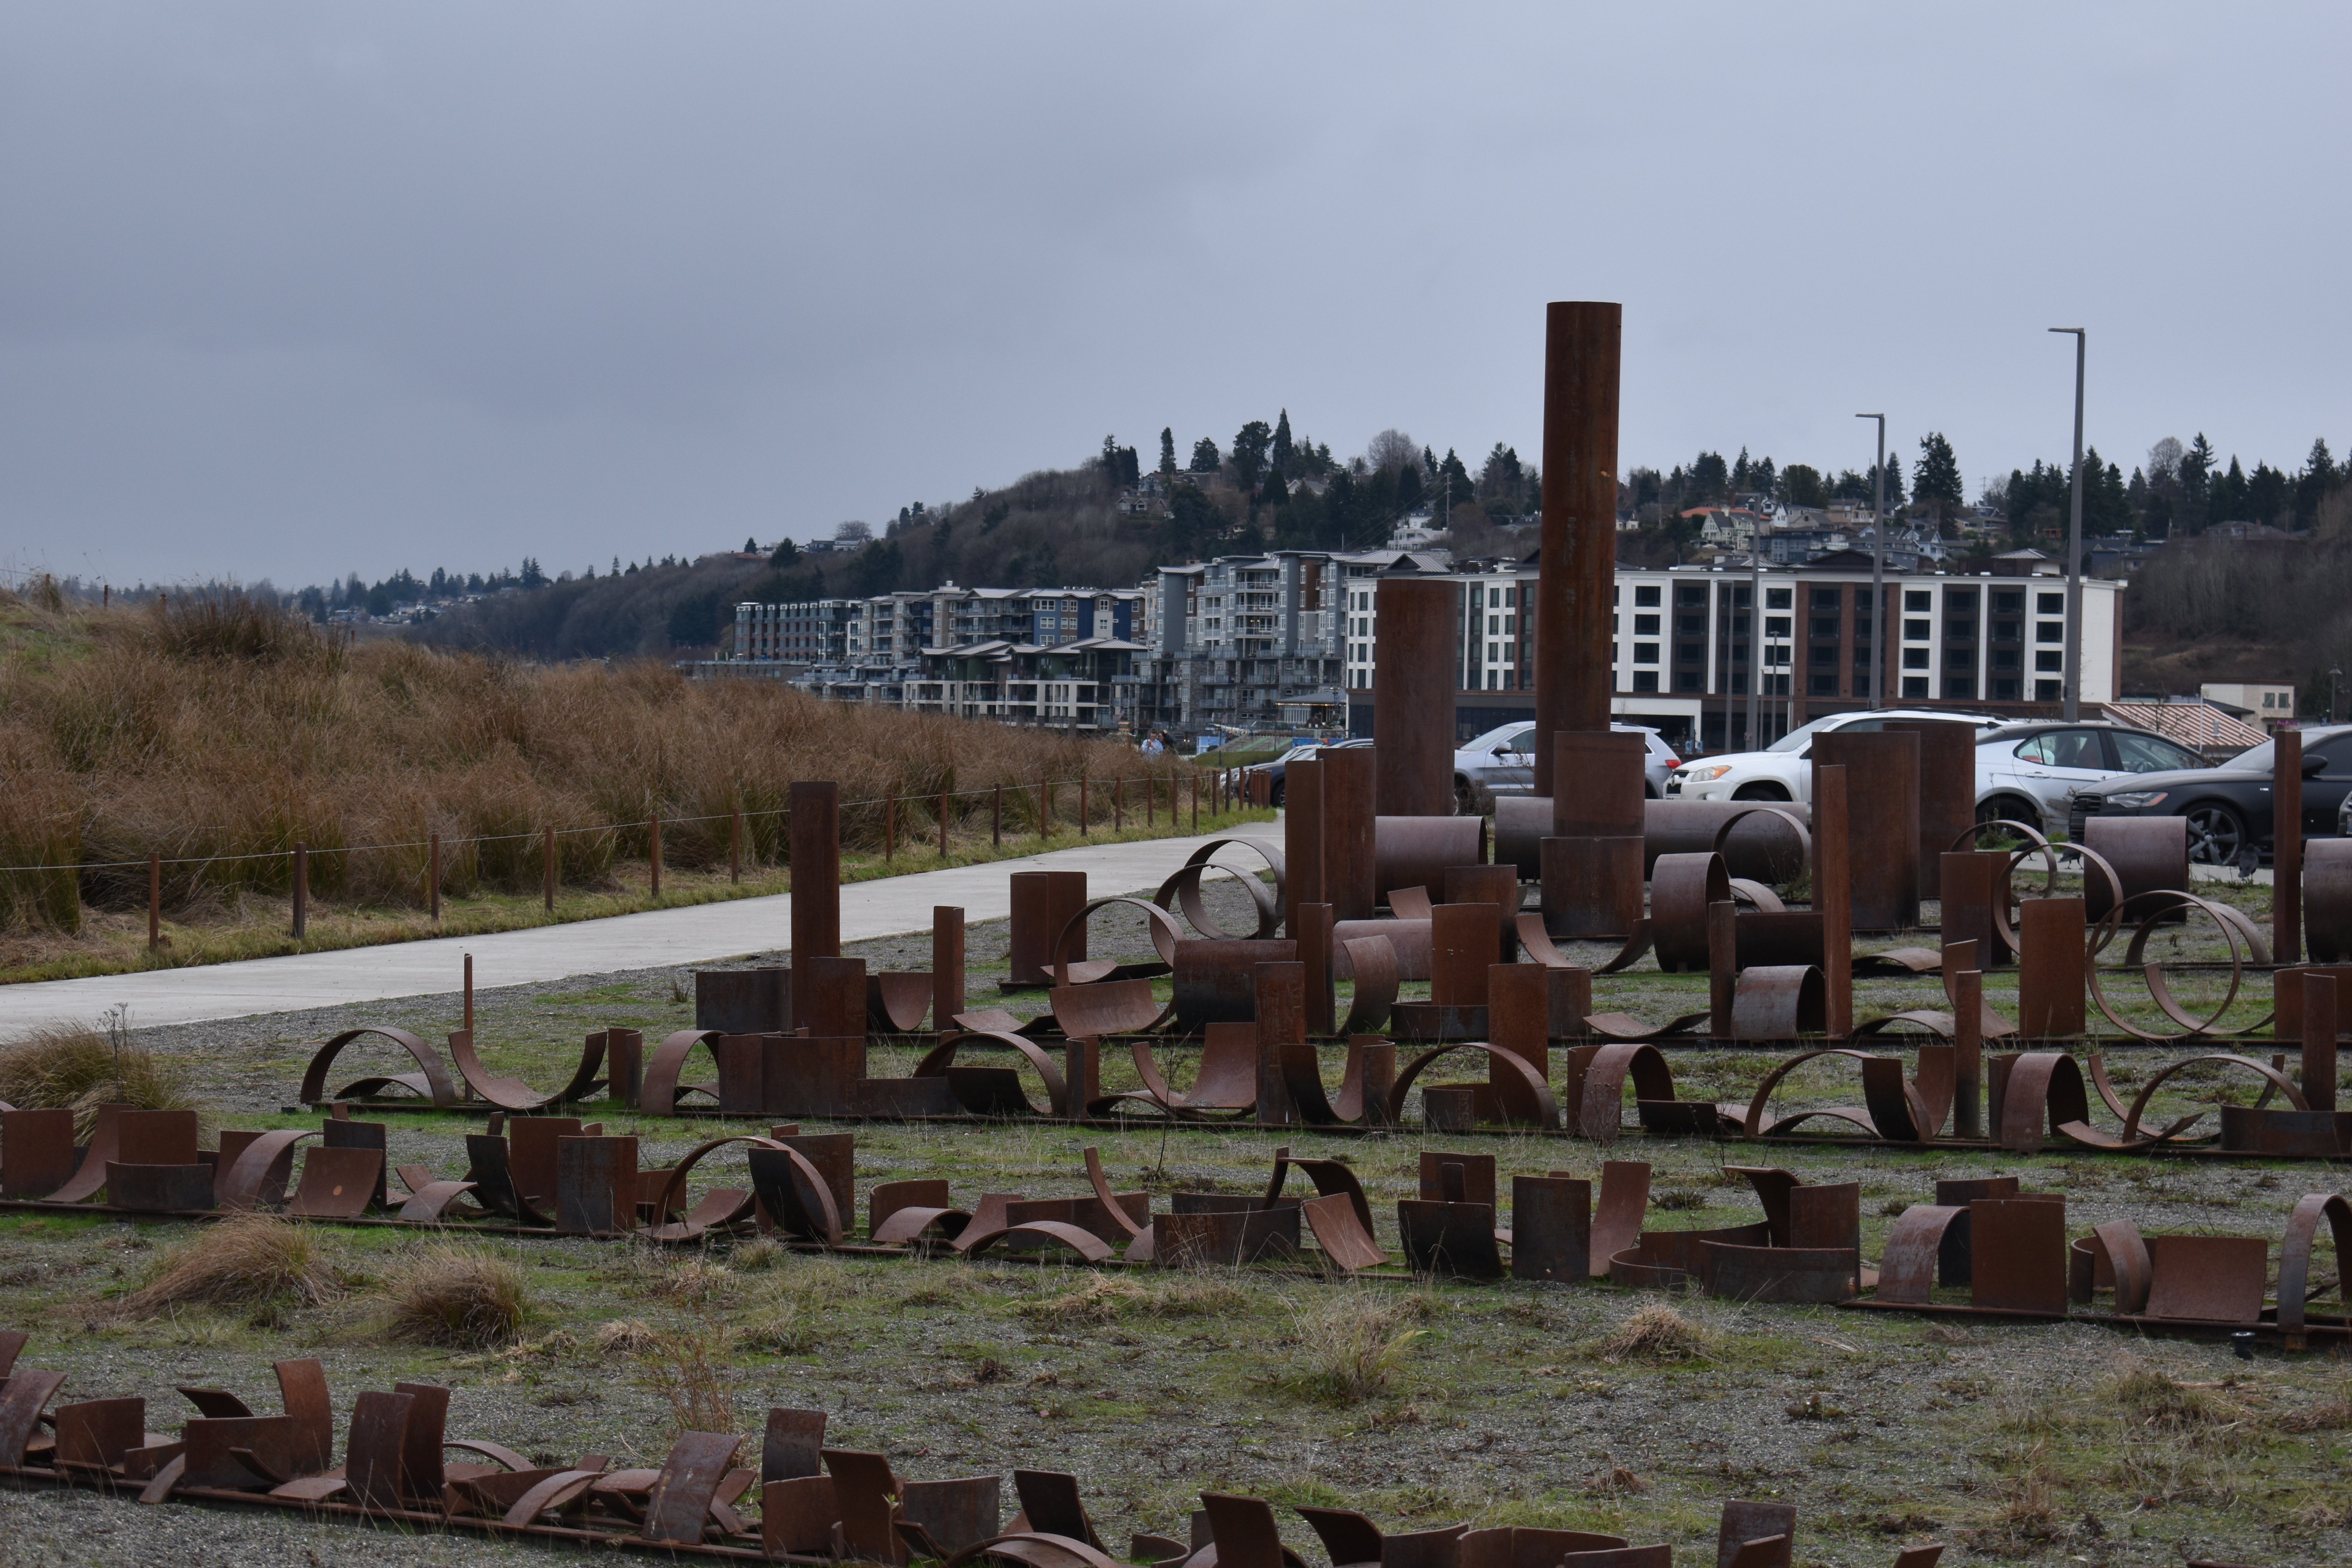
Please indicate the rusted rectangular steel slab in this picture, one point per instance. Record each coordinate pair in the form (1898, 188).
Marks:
(1600, 790)
(743, 1001)
(1461, 951)
(1351, 851)
(2319, 1026)
(1216, 981)
(1551, 1229)
(947, 965)
(1519, 1020)
(1310, 924)
(1413, 694)
(1043, 903)
(815, 850)
(1834, 895)
(1592, 887)
(596, 1185)
(1453, 1239)
(1970, 880)
(2286, 996)
(2051, 996)
(2018, 1254)
(2287, 846)
(1882, 822)
(36, 1152)
(1947, 792)
(1302, 838)
(1576, 581)
(829, 995)
(1281, 1004)
(1569, 1002)
(1494, 885)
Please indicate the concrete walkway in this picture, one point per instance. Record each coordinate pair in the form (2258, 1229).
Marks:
(702, 933)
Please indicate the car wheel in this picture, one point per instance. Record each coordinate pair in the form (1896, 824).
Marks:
(1275, 796)
(2011, 808)
(1759, 792)
(1465, 799)
(2217, 834)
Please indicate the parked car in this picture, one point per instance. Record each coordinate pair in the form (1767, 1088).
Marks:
(2228, 807)
(1280, 765)
(2029, 771)
(1503, 762)
(1784, 769)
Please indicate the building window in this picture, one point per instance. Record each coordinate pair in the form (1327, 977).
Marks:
(1690, 653)
(1961, 659)
(1915, 658)
(1825, 626)
(1779, 655)
(2005, 631)
(1779, 599)
(2050, 631)
(1776, 625)
(1646, 681)
(1916, 601)
(1687, 681)
(1645, 653)
(1691, 594)
(1645, 625)
(2050, 660)
(1915, 686)
(2050, 604)
(2046, 691)
(1825, 598)
(1915, 631)
(1647, 595)
(1824, 686)
(2004, 690)
(2009, 602)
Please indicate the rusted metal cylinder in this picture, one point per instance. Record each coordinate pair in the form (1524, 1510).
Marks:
(2319, 1026)
(1497, 886)
(1577, 578)
(1947, 792)
(1310, 927)
(1461, 951)
(1302, 838)
(1597, 784)
(1833, 894)
(1592, 887)
(1882, 801)
(1281, 1002)
(2287, 846)
(1412, 695)
(1408, 945)
(947, 965)
(1763, 847)
(1350, 863)
(1722, 965)
(2149, 855)
(1681, 889)
(1519, 1019)
(2327, 898)
(1414, 851)
(1043, 903)
(1778, 1004)
(815, 817)
(2049, 1000)
(1522, 822)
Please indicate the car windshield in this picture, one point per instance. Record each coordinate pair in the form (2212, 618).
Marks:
(1798, 738)
(1495, 737)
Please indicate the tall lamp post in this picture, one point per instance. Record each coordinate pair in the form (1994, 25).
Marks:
(2074, 544)
(2335, 674)
(1878, 566)
(1755, 642)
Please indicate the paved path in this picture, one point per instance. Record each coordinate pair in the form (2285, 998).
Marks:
(702, 933)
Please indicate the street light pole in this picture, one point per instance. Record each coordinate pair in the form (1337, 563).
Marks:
(2074, 544)
(1878, 567)
(1755, 642)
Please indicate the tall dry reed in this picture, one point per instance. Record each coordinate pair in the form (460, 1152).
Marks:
(218, 731)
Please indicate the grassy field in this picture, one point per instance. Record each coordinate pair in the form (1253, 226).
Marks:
(1421, 1403)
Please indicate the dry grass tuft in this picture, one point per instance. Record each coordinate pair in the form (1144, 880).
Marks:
(242, 1262)
(2333, 1414)
(71, 1066)
(1656, 1332)
(623, 1336)
(758, 1255)
(1616, 1480)
(1350, 1345)
(689, 1368)
(2150, 1396)
(464, 1297)
(1100, 1299)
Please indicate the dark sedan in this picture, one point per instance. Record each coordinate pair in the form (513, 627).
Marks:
(2229, 808)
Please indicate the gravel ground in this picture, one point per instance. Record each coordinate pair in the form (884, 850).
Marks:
(1422, 1405)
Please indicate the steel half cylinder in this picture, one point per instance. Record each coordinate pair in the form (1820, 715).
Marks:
(1592, 887)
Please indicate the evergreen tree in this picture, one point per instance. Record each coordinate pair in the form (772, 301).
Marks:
(1167, 453)
(1802, 485)
(2225, 497)
(1453, 483)
(1936, 479)
(1205, 460)
(1250, 445)
(1278, 455)
(2319, 476)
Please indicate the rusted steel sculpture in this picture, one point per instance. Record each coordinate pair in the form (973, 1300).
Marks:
(896, 1002)
(997, 1090)
(1973, 881)
(1813, 1250)
(1215, 981)
(1778, 1003)
(1351, 856)
(1948, 790)
(1184, 886)
(430, 1083)
(1531, 1089)
(2244, 938)
(1414, 851)
(1449, 1228)
(947, 964)
(2286, 847)
(1895, 1109)
(1761, 842)
(1413, 694)
(2050, 969)
(1408, 943)
(2147, 854)
(1043, 905)
(1302, 838)
(1577, 572)
(1310, 927)
(1592, 887)
(1882, 822)
(513, 1094)
(1681, 889)
(2327, 898)
(815, 815)
(1833, 896)
(756, 1001)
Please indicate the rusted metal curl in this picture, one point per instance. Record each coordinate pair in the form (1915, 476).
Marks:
(1183, 887)
(2243, 937)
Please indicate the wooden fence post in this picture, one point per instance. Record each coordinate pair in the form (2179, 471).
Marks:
(889, 826)
(943, 824)
(996, 819)
(433, 876)
(1082, 805)
(547, 870)
(301, 888)
(1118, 805)
(653, 855)
(735, 845)
(155, 899)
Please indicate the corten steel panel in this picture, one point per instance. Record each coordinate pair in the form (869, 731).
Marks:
(794, 1444)
(1456, 1240)
(815, 849)
(2286, 847)
(1592, 887)
(337, 1184)
(1302, 838)
(159, 1189)
(1496, 885)
(595, 1186)
(1416, 851)
(2287, 995)
(738, 1058)
(156, 1137)
(1453, 1178)
(2050, 991)
(1834, 898)
(1792, 1274)
(2216, 1279)
(1519, 1019)
(1967, 1053)
(97, 1433)
(743, 1001)
(1043, 903)
(1825, 1214)
(1744, 1521)
(2250, 1130)
(1953, 1253)
(1216, 982)
(1311, 924)
(1947, 792)
(1449, 1108)
(1764, 845)
(344, 1134)
(1281, 1002)
(378, 1438)
(947, 965)
(2149, 854)
(1461, 951)
(531, 1156)
(1681, 889)
(2018, 1254)
(1789, 937)
(1881, 802)
(1598, 790)
(2327, 898)
(1722, 966)
(1569, 995)
(2319, 1024)
(36, 1152)
(955, 1513)
(810, 1075)
(680, 1501)
(1412, 695)
(1578, 570)
(421, 1471)
(829, 994)
(1971, 879)
(1552, 1228)
(1350, 856)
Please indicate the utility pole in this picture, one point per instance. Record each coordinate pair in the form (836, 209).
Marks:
(1878, 567)
(1755, 643)
(2075, 542)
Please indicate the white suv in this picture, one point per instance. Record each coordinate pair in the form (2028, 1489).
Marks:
(1784, 769)
(1502, 761)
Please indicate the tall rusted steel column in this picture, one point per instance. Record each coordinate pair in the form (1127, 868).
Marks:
(1412, 695)
(947, 965)
(1578, 570)
(816, 870)
(1302, 838)
(1349, 861)
(2319, 1024)
(1833, 896)
(2286, 847)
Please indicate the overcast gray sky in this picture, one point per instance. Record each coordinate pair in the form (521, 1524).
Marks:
(296, 289)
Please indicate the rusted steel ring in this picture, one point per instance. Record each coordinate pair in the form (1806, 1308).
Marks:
(1778, 1002)
(2157, 987)
(659, 1095)
(240, 1186)
(1681, 889)
(1371, 960)
(2269, 1073)
(942, 1055)
(512, 1093)
(1165, 933)
(1184, 887)
(1766, 900)
(1804, 834)
(2295, 1254)
(1547, 1106)
(1600, 1110)
(435, 1085)
(672, 1192)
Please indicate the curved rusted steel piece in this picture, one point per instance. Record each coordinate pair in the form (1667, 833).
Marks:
(1601, 1114)
(937, 1061)
(1213, 1079)
(2295, 1292)
(1544, 951)
(1414, 851)
(1109, 1008)
(1165, 935)
(2038, 845)
(1897, 1098)
(896, 1002)
(2146, 854)
(430, 1203)
(1033, 1548)
(512, 1093)
(1183, 887)
(1302, 1078)
(672, 1198)
(1899, 961)
(1786, 814)
(432, 1083)
(1625, 1026)
(2135, 955)
(660, 1094)
(1139, 1237)
(2129, 1264)
(1766, 901)
(903, 1226)
(977, 1238)
(240, 1186)
(1681, 887)
(1372, 961)
(2327, 899)
(1547, 1107)
(2268, 1073)
(1906, 1263)
(2045, 1095)
(805, 1189)
(1778, 1002)
(1331, 1179)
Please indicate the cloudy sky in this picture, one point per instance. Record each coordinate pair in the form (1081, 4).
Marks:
(298, 290)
